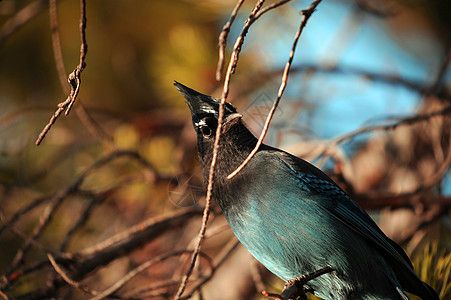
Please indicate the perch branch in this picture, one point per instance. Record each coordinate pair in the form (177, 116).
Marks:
(295, 287)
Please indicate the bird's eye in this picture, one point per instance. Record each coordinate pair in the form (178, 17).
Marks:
(206, 131)
(207, 126)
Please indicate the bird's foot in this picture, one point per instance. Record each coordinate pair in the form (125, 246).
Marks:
(294, 288)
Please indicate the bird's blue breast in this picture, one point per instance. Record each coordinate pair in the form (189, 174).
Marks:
(282, 224)
(280, 233)
(287, 225)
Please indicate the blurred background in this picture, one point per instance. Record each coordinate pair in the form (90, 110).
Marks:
(112, 198)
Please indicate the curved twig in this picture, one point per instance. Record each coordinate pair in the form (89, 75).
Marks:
(143, 267)
(211, 174)
(74, 77)
(306, 15)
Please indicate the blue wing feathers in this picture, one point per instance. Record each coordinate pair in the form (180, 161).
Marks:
(356, 219)
(310, 223)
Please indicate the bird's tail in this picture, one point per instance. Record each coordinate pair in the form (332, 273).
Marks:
(424, 291)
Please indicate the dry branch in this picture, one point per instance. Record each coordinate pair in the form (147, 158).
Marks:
(144, 266)
(306, 15)
(400, 122)
(74, 269)
(253, 16)
(21, 18)
(74, 78)
(211, 174)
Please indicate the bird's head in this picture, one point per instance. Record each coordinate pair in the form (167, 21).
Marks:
(236, 140)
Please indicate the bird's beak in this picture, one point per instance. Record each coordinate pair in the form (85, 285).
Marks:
(202, 105)
(199, 104)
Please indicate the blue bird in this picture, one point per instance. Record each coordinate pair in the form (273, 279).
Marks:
(294, 219)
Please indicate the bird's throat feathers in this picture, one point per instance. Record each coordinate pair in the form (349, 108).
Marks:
(235, 144)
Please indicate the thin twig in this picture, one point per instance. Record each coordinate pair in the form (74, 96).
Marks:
(4, 296)
(22, 17)
(223, 39)
(6, 281)
(226, 29)
(26, 238)
(238, 44)
(141, 291)
(82, 114)
(56, 44)
(306, 15)
(49, 125)
(91, 125)
(21, 212)
(211, 174)
(386, 11)
(294, 287)
(137, 235)
(389, 127)
(438, 82)
(391, 79)
(438, 174)
(80, 222)
(57, 199)
(143, 267)
(45, 219)
(256, 276)
(254, 15)
(85, 261)
(69, 280)
(74, 77)
(269, 7)
(219, 260)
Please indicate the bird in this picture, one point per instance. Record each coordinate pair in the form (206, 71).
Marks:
(294, 218)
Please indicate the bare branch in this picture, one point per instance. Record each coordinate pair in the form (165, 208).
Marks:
(133, 237)
(80, 222)
(219, 260)
(4, 296)
(21, 18)
(306, 15)
(438, 82)
(56, 200)
(141, 268)
(45, 219)
(74, 77)
(223, 39)
(295, 287)
(211, 173)
(17, 215)
(67, 279)
(401, 122)
(56, 43)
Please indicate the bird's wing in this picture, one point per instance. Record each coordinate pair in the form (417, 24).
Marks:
(356, 219)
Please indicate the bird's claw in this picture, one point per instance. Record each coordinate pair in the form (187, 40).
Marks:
(295, 288)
